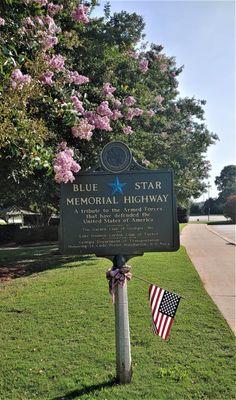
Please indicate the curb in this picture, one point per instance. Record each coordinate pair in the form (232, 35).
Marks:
(221, 236)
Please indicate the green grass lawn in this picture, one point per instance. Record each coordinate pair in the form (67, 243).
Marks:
(57, 331)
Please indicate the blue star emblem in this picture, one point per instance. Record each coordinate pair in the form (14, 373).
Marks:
(116, 186)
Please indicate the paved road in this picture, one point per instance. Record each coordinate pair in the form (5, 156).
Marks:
(213, 258)
(225, 231)
(204, 218)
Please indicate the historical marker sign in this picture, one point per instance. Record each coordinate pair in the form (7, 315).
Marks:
(127, 212)
(119, 212)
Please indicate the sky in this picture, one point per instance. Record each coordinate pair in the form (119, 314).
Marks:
(200, 34)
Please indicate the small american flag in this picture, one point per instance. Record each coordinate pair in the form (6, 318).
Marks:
(164, 305)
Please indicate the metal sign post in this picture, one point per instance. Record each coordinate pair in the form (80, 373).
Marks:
(123, 352)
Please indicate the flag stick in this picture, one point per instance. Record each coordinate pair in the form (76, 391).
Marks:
(150, 283)
(141, 279)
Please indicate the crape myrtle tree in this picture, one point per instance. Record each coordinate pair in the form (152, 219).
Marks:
(71, 82)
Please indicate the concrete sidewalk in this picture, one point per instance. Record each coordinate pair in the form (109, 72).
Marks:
(214, 260)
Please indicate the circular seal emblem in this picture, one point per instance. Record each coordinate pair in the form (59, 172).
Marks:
(116, 157)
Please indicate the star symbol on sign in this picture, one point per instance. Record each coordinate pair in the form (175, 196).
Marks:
(117, 186)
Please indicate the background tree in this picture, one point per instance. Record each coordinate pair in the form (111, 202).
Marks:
(230, 208)
(226, 183)
(196, 208)
(213, 206)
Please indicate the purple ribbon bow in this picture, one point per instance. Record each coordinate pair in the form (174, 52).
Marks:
(117, 277)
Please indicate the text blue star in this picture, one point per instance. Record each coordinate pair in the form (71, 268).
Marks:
(116, 186)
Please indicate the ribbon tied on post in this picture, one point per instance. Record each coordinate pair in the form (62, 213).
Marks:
(116, 277)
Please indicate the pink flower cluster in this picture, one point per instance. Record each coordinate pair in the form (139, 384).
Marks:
(143, 65)
(108, 89)
(130, 101)
(40, 2)
(133, 54)
(2, 21)
(116, 114)
(146, 162)
(46, 22)
(28, 22)
(83, 130)
(150, 113)
(127, 130)
(44, 28)
(102, 123)
(77, 104)
(57, 62)
(52, 27)
(74, 77)
(18, 80)
(80, 14)
(104, 110)
(116, 103)
(49, 41)
(159, 100)
(133, 112)
(39, 20)
(163, 62)
(137, 112)
(98, 121)
(54, 9)
(46, 78)
(64, 165)
(163, 67)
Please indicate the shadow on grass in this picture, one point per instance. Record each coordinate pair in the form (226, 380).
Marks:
(24, 261)
(86, 390)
